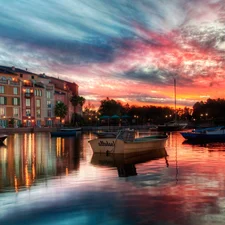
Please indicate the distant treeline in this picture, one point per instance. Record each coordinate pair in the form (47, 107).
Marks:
(212, 109)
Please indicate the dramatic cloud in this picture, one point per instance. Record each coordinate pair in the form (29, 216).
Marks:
(122, 49)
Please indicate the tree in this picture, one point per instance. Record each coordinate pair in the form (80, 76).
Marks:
(61, 110)
(110, 107)
(76, 100)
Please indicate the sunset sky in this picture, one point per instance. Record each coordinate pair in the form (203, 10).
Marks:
(128, 50)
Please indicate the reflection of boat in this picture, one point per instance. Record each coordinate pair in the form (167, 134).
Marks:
(205, 134)
(125, 142)
(65, 132)
(2, 138)
(172, 126)
(125, 163)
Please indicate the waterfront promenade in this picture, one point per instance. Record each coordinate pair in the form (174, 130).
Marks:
(10, 130)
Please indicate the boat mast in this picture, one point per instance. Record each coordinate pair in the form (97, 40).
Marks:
(175, 99)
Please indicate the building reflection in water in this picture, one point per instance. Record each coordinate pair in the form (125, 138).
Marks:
(32, 157)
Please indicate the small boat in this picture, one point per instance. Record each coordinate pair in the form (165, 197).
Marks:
(2, 138)
(66, 132)
(206, 134)
(125, 142)
(172, 126)
(125, 163)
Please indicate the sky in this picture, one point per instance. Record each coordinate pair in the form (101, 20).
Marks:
(127, 50)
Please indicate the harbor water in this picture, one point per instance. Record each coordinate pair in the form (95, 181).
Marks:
(58, 181)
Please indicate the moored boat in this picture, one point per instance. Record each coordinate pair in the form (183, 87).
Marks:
(126, 143)
(66, 132)
(172, 126)
(206, 134)
(2, 138)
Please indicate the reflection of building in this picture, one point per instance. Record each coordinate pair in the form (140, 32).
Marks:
(31, 158)
(29, 99)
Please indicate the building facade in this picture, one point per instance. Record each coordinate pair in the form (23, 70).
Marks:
(29, 99)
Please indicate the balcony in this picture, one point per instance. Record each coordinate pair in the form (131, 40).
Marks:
(14, 83)
(3, 81)
(28, 94)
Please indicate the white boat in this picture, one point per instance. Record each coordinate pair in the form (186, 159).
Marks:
(126, 143)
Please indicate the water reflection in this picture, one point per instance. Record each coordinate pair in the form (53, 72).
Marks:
(125, 164)
(29, 158)
(59, 181)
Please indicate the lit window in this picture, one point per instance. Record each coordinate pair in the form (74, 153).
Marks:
(27, 102)
(38, 103)
(2, 111)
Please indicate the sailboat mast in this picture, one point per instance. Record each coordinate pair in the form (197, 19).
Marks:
(175, 99)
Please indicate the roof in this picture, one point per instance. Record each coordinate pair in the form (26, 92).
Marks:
(15, 70)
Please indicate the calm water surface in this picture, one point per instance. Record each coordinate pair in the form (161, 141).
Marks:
(58, 181)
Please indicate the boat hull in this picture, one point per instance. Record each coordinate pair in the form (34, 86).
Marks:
(63, 133)
(203, 137)
(139, 145)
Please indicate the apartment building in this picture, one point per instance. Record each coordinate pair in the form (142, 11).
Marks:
(29, 99)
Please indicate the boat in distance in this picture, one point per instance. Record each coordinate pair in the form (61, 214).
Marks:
(172, 126)
(205, 134)
(126, 143)
(2, 138)
(66, 132)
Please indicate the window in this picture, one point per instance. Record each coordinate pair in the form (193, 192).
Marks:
(2, 111)
(2, 89)
(27, 90)
(38, 103)
(38, 113)
(28, 112)
(49, 112)
(49, 104)
(3, 100)
(15, 101)
(38, 92)
(27, 102)
(15, 91)
(48, 94)
(15, 112)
